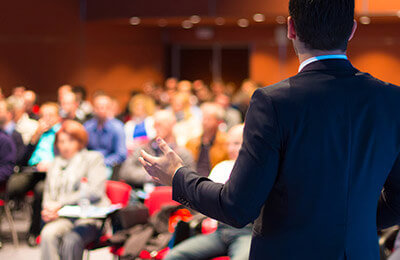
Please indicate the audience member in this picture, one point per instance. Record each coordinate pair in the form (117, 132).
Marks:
(17, 93)
(140, 128)
(8, 157)
(226, 240)
(69, 105)
(8, 126)
(217, 87)
(65, 238)
(132, 170)
(232, 116)
(210, 148)
(106, 134)
(40, 154)
(202, 92)
(23, 123)
(85, 108)
(188, 125)
(30, 104)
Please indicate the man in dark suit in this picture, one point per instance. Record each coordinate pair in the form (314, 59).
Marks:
(320, 152)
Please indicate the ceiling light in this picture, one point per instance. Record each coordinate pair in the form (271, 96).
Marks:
(259, 18)
(243, 22)
(134, 20)
(280, 19)
(194, 19)
(365, 20)
(219, 21)
(187, 24)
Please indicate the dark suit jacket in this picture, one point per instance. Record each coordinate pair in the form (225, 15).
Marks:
(318, 148)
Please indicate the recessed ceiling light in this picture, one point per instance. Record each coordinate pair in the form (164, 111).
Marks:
(187, 24)
(280, 19)
(134, 20)
(365, 20)
(259, 18)
(243, 22)
(195, 19)
(219, 21)
(162, 22)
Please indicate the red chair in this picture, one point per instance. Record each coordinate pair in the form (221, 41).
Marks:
(118, 192)
(160, 196)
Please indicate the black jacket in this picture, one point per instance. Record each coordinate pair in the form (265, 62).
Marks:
(318, 148)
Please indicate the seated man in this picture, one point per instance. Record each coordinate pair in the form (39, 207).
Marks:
(132, 171)
(106, 134)
(39, 154)
(69, 105)
(225, 240)
(64, 238)
(210, 148)
(8, 126)
(7, 160)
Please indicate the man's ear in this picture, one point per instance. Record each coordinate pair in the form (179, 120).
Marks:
(354, 30)
(291, 32)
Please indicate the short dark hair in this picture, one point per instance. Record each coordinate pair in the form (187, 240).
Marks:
(323, 24)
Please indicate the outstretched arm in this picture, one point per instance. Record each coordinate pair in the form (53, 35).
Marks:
(239, 201)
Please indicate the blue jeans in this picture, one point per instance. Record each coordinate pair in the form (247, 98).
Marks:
(224, 241)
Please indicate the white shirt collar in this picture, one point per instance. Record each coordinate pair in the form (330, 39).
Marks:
(323, 57)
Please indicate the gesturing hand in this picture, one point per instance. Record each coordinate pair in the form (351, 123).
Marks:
(163, 168)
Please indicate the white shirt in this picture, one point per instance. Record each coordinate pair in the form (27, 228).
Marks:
(323, 57)
(222, 171)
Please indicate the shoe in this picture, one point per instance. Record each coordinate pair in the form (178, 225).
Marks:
(31, 240)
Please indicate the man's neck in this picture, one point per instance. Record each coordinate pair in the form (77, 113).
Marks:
(315, 53)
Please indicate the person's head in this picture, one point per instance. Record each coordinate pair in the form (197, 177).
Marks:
(49, 113)
(102, 105)
(17, 107)
(217, 87)
(69, 104)
(80, 93)
(29, 99)
(6, 113)
(70, 139)
(141, 106)
(18, 91)
(212, 116)
(223, 100)
(320, 25)
(171, 84)
(234, 141)
(185, 86)
(63, 90)
(164, 121)
(180, 102)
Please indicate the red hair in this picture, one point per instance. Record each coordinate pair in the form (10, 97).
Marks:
(76, 131)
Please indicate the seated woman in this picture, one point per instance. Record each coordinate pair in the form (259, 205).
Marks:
(64, 238)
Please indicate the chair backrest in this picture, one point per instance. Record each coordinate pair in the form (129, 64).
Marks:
(118, 192)
(159, 197)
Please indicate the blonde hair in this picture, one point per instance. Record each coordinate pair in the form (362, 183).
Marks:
(149, 104)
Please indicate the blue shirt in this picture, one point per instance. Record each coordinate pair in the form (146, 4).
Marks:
(108, 140)
(44, 151)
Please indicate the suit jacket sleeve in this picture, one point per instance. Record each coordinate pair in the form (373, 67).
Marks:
(389, 202)
(240, 200)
